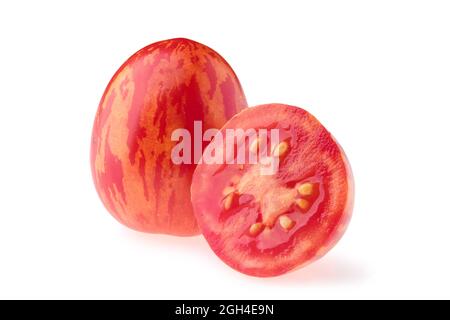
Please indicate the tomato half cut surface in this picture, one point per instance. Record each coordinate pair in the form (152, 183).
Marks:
(267, 224)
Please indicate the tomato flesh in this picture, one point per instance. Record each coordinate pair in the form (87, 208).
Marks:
(266, 225)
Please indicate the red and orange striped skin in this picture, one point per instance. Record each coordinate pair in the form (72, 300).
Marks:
(164, 86)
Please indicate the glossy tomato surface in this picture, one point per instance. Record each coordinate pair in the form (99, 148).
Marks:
(268, 224)
(165, 86)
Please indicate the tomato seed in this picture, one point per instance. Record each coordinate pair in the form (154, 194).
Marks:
(305, 189)
(256, 228)
(286, 223)
(280, 149)
(228, 201)
(255, 146)
(228, 190)
(302, 204)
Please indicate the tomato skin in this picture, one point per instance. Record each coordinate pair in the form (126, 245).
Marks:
(315, 157)
(164, 86)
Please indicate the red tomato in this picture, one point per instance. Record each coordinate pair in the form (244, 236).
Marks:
(266, 225)
(165, 86)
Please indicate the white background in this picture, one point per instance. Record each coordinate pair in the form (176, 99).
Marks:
(376, 73)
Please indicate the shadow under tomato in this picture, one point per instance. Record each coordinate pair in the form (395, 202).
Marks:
(328, 270)
(195, 244)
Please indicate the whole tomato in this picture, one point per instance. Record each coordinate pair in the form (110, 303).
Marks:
(163, 87)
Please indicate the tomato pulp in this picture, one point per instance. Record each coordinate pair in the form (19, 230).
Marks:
(268, 224)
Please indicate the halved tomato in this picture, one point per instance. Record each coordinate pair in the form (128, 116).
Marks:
(267, 224)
